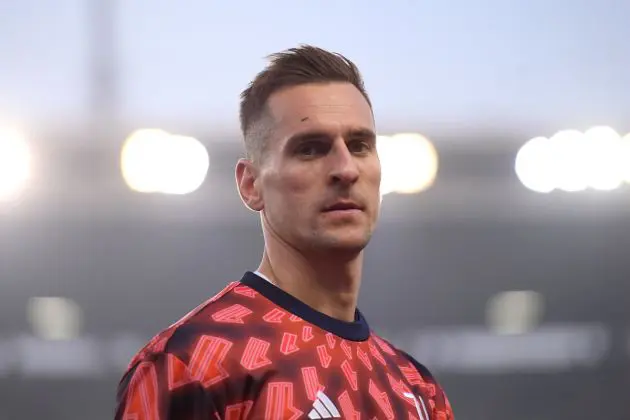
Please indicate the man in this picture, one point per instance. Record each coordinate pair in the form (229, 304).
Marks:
(287, 341)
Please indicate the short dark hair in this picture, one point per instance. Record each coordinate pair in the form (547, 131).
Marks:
(301, 65)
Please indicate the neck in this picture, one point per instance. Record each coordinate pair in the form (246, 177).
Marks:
(327, 282)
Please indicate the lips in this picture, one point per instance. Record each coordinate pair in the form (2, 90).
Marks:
(343, 205)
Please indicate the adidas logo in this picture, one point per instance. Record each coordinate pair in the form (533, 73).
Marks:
(323, 408)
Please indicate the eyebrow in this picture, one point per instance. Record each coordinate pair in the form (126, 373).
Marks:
(319, 134)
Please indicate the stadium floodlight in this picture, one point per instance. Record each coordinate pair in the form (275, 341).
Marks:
(514, 312)
(15, 163)
(574, 161)
(142, 157)
(534, 166)
(409, 163)
(188, 165)
(155, 161)
(604, 154)
(569, 158)
(55, 318)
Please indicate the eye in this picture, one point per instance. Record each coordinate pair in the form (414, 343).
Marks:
(312, 149)
(359, 146)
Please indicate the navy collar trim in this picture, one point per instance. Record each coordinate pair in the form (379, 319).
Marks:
(358, 330)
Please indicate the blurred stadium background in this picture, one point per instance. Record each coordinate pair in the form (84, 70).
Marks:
(501, 261)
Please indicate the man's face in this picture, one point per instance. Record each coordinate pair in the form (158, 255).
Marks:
(319, 178)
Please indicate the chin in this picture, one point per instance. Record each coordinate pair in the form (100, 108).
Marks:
(349, 242)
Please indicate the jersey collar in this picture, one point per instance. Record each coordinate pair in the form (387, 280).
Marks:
(358, 330)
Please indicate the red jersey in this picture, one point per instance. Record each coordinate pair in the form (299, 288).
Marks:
(255, 352)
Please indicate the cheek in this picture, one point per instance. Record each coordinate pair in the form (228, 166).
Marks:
(374, 172)
(374, 182)
(378, 173)
(300, 178)
(290, 191)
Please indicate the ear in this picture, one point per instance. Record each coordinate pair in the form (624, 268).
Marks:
(248, 185)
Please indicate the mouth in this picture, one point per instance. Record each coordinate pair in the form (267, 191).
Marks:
(343, 206)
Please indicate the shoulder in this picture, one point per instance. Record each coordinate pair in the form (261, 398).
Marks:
(419, 375)
(211, 326)
(404, 357)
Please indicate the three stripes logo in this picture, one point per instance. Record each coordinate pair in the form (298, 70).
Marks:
(421, 408)
(323, 408)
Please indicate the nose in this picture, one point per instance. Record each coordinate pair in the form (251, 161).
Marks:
(344, 168)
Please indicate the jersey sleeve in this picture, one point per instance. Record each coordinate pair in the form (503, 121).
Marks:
(442, 408)
(159, 387)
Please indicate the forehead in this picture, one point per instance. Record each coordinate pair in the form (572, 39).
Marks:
(332, 107)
